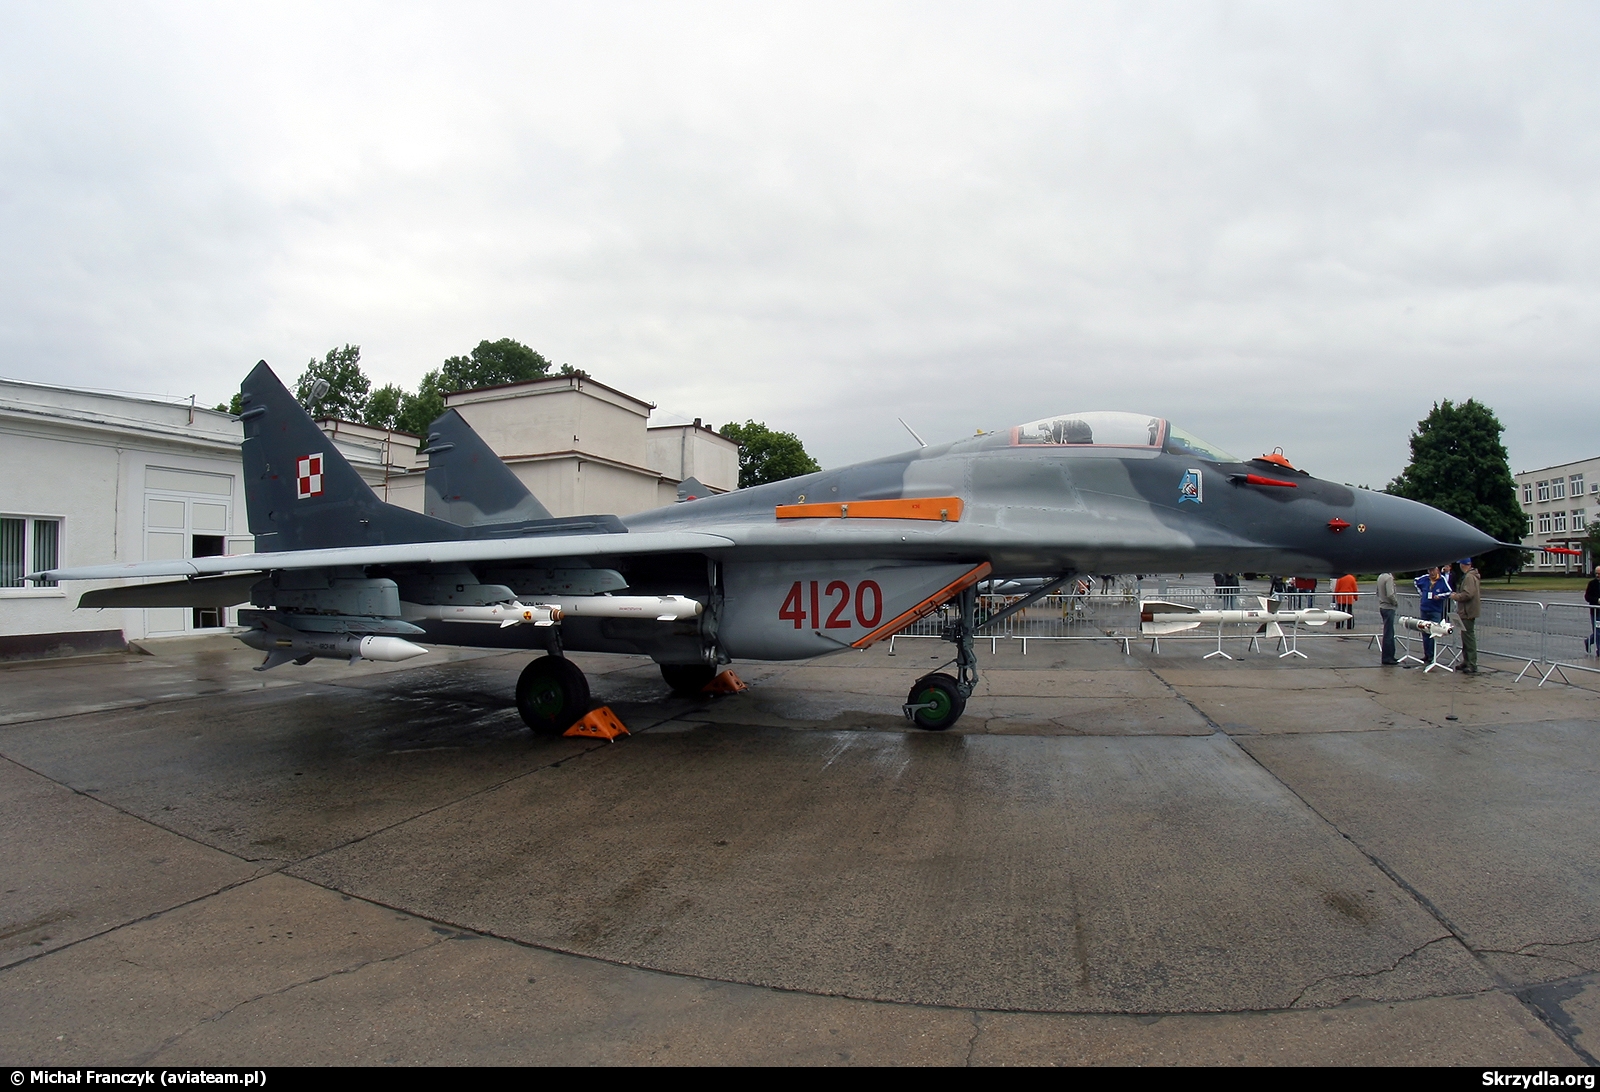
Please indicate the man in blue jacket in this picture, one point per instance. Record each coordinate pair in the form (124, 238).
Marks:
(1433, 591)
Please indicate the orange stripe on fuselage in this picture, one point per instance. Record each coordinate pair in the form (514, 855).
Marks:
(926, 607)
(943, 509)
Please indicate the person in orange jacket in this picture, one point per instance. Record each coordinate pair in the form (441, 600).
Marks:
(1344, 598)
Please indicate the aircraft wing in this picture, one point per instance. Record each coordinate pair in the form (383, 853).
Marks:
(410, 553)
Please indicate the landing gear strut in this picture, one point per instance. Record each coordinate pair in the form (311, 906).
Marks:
(937, 701)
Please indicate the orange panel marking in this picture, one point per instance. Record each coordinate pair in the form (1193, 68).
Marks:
(601, 724)
(943, 509)
(926, 607)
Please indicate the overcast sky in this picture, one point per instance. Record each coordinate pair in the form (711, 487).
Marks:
(1276, 224)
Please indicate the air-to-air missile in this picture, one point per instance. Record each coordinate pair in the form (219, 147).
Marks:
(1427, 627)
(1158, 618)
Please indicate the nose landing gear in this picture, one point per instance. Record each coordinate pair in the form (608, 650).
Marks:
(937, 700)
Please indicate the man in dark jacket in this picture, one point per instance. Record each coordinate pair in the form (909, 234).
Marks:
(1591, 596)
(1467, 594)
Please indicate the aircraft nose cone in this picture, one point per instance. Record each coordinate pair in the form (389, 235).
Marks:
(1403, 534)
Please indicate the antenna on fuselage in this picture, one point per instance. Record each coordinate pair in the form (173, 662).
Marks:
(920, 441)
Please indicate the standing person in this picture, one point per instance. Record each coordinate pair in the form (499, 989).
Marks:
(1433, 593)
(1467, 594)
(1591, 596)
(1304, 586)
(1344, 598)
(1387, 606)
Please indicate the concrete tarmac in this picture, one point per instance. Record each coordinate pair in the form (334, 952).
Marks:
(1111, 859)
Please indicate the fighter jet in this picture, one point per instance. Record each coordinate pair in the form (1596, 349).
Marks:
(834, 560)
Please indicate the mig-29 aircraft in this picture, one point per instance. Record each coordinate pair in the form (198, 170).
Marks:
(833, 560)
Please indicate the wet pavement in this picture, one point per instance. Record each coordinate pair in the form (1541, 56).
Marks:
(1118, 859)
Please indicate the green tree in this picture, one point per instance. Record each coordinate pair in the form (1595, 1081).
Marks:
(418, 411)
(235, 407)
(383, 407)
(1459, 466)
(348, 385)
(767, 456)
(489, 365)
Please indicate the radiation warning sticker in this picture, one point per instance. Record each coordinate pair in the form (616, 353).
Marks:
(1189, 487)
(308, 476)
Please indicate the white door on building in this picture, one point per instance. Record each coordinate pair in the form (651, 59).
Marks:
(186, 514)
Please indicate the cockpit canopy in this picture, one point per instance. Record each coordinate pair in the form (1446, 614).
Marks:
(1109, 428)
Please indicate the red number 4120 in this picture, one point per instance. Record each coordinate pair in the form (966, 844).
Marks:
(837, 595)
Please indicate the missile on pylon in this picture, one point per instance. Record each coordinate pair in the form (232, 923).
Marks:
(662, 608)
(282, 644)
(1158, 618)
(511, 613)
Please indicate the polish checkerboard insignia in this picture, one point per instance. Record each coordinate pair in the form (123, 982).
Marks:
(308, 476)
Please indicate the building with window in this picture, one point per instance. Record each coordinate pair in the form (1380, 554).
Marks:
(1559, 504)
(97, 478)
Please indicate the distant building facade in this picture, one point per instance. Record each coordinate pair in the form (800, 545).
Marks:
(582, 447)
(1559, 503)
(98, 478)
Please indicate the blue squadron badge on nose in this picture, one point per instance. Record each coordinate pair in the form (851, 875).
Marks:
(1189, 487)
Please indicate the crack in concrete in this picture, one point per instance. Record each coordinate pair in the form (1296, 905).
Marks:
(152, 916)
(972, 1043)
(149, 1056)
(1356, 975)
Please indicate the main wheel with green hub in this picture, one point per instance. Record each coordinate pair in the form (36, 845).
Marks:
(935, 703)
(552, 695)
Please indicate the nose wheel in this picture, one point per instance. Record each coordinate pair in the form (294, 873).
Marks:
(935, 702)
(552, 695)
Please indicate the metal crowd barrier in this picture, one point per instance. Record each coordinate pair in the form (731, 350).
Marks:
(1549, 639)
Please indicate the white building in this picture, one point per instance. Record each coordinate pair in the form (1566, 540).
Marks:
(582, 447)
(386, 459)
(98, 478)
(1559, 502)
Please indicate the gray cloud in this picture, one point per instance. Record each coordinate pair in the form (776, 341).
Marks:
(1276, 224)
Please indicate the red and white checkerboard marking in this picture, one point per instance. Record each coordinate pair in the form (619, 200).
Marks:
(308, 476)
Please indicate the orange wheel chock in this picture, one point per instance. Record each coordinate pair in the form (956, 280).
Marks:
(725, 683)
(600, 724)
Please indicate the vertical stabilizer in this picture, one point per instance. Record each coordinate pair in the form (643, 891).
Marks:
(301, 493)
(467, 483)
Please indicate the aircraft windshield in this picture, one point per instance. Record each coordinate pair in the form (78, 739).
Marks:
(1180, 442)
(1099, 428)
(1102, 428)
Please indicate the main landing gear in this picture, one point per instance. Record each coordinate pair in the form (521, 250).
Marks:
(552, 694)
(687, 679)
